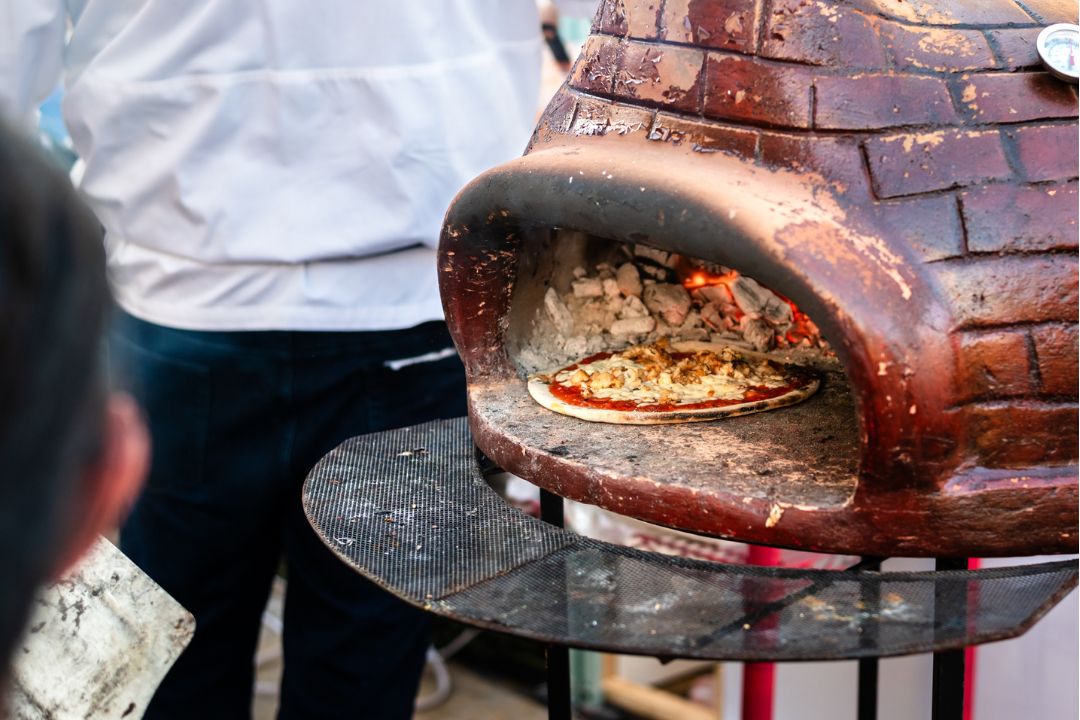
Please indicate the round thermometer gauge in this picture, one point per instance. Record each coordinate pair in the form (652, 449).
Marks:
(1059, 48)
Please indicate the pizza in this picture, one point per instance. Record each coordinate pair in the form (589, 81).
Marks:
(666, 382)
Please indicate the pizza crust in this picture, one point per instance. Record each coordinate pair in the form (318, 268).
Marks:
(540, 391)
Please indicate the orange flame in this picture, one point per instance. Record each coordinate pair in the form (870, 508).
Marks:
(802, 330)
(700, 278)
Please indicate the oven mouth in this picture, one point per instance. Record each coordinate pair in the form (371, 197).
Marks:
(805, 455)
(596, 209)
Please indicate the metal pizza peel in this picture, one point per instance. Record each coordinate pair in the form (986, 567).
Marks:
(98, 643)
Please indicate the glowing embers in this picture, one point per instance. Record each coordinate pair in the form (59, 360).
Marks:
(628, 294)
(733, 304)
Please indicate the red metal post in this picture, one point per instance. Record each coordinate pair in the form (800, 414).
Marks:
(969, 653)
(759, 678)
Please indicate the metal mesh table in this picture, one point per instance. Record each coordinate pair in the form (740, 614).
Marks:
(409, 509)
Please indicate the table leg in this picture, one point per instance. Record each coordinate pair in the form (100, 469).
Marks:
(948, 693)
(868, 688)
(868, 667)
(558, 656)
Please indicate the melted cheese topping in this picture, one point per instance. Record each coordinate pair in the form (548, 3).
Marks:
(654, 377)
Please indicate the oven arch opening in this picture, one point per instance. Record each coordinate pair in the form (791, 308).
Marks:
(804, 455)
(775, 226)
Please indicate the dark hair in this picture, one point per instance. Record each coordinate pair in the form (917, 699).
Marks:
(53, 305)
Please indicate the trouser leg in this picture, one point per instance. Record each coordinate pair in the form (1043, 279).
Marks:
(351, 649)
(207, 527)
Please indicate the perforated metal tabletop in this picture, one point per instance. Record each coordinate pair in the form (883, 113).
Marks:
(410, 510)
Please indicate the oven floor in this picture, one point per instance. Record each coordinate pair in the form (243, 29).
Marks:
(803, 455)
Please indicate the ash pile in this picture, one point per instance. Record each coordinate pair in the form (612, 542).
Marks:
(639, 294)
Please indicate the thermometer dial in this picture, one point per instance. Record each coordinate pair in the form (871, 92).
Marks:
(1059, 48)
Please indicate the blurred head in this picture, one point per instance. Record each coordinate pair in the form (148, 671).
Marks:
(72, 456)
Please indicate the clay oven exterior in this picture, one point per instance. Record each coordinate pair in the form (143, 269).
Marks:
(906, 172)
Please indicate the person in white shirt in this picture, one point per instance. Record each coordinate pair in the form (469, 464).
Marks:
(272, 176)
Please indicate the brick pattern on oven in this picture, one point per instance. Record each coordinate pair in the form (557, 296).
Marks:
(923, 119)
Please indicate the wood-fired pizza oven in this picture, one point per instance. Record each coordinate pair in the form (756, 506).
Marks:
(904, 173)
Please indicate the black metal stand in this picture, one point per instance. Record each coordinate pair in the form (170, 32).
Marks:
(868, 667)
(868, 689)
(558, 656)
(948, 692)
(948, 674)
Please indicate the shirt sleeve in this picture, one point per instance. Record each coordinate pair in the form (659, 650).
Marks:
(32, 37)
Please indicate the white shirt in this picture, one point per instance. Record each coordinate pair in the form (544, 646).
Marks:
(274, 164)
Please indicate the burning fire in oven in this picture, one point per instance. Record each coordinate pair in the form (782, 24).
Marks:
(640, 294)
(729, 301)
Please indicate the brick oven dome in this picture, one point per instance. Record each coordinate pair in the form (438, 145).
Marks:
(905, 170)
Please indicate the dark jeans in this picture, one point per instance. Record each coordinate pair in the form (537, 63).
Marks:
(237, 420)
